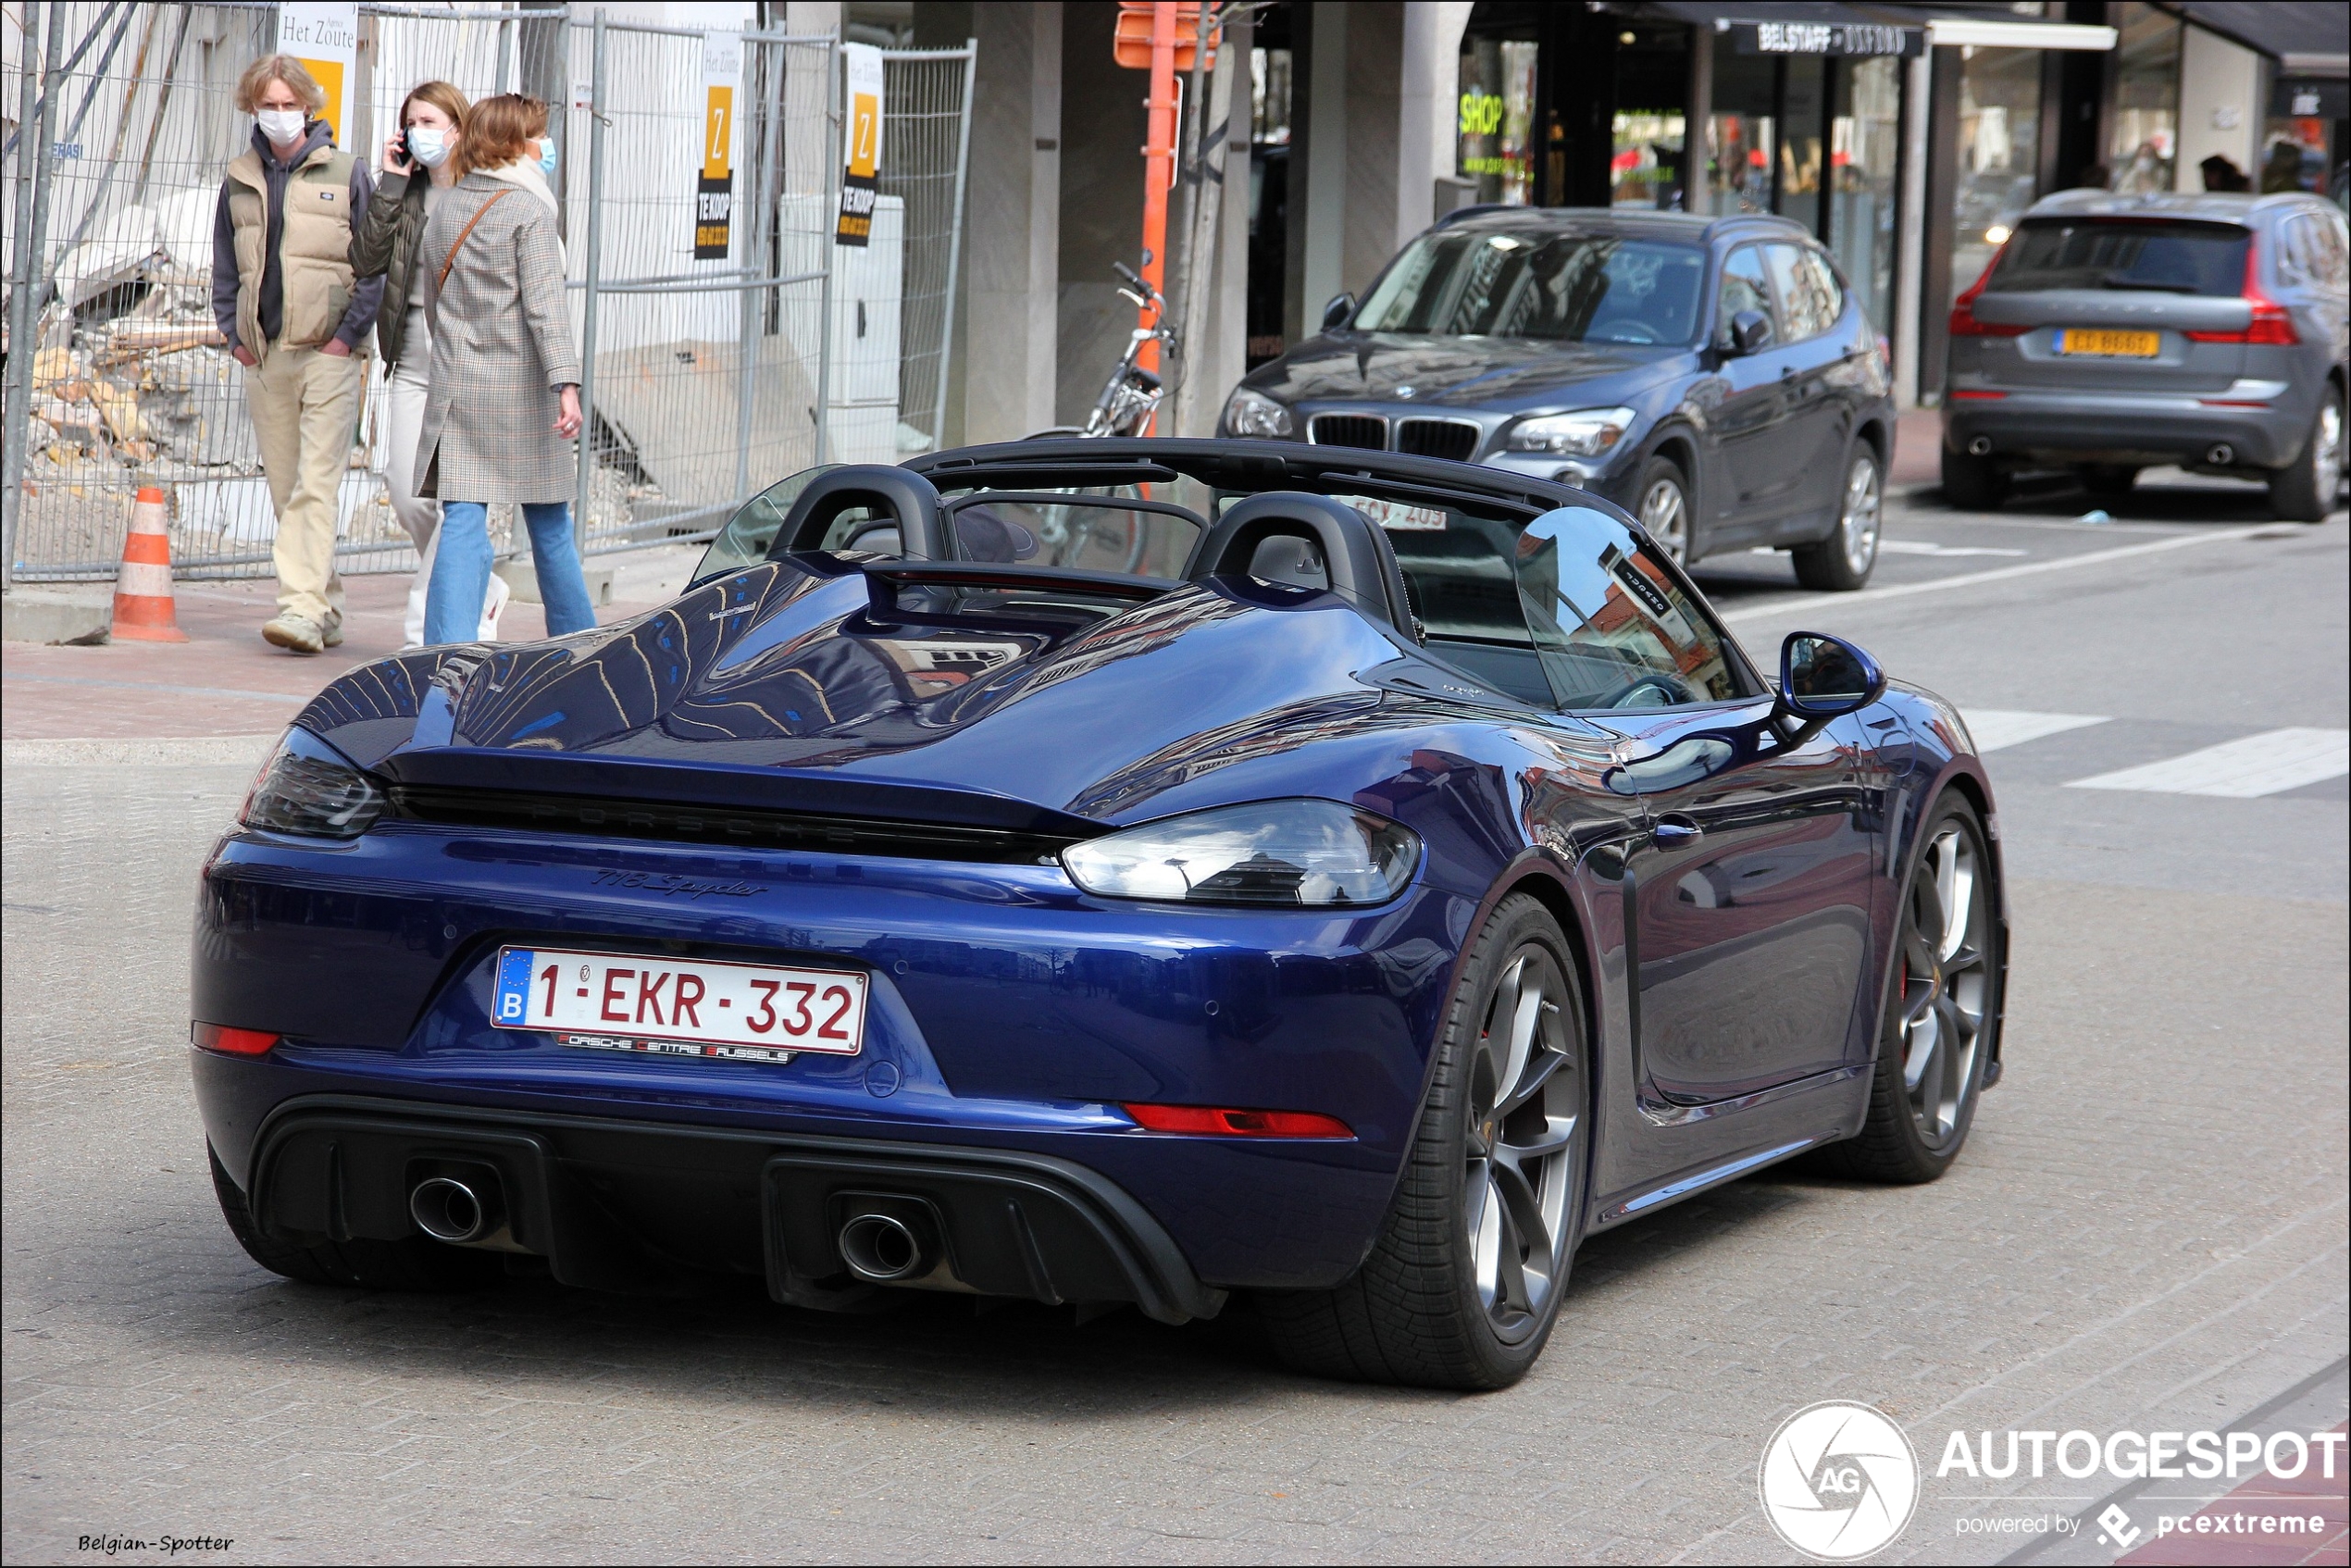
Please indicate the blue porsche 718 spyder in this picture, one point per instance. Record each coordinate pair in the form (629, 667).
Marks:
(1099, 872)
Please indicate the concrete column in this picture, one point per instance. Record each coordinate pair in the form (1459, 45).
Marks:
(1318, 164)
(2220, 105)
(1375, 142)
(1103, 126)
(1224, 358)
(1013, 223)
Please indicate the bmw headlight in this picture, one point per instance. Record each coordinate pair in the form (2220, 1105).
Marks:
(309, 788)
(1254, 414)
(1299, 853)
(1587, 432)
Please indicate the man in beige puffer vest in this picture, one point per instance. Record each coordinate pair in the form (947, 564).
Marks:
(283, 294)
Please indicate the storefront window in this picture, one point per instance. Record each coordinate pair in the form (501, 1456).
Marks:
(1646, 170)
(2142, 142)
(1801, 154)
(1999, 154)
(2302, 137)
(1863, 157)
(1497, 110)
(1742, 142)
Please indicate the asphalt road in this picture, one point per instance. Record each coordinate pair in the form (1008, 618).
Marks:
(2147, 1231)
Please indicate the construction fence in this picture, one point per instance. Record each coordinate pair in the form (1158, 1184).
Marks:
(708, 377)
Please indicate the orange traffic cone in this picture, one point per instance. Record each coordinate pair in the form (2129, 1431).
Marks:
(142, 606)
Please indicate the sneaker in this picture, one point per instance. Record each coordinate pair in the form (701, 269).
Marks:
(296, 634)
(333, 635)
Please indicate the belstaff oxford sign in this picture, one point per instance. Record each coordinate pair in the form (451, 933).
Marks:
(1825, 38)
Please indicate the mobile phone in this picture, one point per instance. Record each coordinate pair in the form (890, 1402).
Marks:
(407, 148)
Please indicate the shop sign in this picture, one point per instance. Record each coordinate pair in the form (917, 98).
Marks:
(722, 73)
(1826, 38)
(325, 38)
(862, 64)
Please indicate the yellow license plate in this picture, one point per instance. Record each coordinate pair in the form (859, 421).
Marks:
(2126, 345)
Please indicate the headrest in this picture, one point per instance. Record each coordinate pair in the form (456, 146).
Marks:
(898, 495)
(1358, 562)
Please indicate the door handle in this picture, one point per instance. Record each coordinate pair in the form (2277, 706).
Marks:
(1673, 831)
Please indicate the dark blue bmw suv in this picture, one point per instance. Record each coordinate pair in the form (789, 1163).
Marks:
(1713, 377)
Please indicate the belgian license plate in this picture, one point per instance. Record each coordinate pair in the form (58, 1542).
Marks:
(2113, 345)
(680, 1007)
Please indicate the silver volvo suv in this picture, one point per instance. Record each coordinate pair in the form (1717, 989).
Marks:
(2113, 333)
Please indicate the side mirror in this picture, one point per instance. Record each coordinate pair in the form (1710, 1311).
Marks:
(1750, 332)
(1822, 677)
(1334, 313)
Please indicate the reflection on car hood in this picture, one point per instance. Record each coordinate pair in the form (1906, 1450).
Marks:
(1503, 373)
(771, 687)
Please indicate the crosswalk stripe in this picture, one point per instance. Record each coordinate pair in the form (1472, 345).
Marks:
(2258, 765)
(1995, 728)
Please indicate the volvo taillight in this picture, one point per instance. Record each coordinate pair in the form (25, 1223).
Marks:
(1963, 321)
(2272, 324)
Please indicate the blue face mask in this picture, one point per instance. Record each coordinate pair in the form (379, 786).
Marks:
(547, 157)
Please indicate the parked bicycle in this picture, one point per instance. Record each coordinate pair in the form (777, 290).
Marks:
(1132, 394)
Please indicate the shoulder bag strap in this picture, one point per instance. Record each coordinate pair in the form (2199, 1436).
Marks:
(450, 260)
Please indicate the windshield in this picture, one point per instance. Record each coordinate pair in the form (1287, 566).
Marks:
(1567, 287)
(2160, 256)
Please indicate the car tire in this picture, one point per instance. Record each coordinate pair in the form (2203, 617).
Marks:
(1938, 1027)
(1843, 562)
(2107, 481)
(1463, 1283)
(415, 1263)
(2305, 490)
(1972, 484)
(1662, 502)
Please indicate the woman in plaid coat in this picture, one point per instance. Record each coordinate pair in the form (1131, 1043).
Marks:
(504, 406)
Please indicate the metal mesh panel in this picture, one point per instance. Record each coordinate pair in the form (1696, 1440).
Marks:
(132, 384)
(706, 377)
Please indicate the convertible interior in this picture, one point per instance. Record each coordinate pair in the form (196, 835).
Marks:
(1568, 612)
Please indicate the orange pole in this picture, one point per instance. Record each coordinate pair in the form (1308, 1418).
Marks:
(1158, 164)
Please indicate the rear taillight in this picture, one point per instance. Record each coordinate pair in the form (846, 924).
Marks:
(232, 1043)
(2272, 324)
(1963, 321)
(1216, 1122)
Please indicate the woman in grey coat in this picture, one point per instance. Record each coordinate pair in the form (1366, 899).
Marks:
(503, 404)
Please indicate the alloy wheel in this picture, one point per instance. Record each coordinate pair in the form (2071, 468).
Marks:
(1858, 528)
(1526, 1111)
(1947, 977)
(1666, 512)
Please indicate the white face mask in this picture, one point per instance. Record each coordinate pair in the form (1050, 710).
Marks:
(282, 126)
(429, 145)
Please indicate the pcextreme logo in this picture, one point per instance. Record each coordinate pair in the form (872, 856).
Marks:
(1838, 1481)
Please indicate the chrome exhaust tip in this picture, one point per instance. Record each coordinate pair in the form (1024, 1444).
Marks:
(447, 1210)
(1980, 447)
(2221, 454)
(885, 1249)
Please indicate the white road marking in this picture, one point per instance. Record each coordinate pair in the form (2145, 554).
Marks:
(1867, 596)
(2258, 765)
(1995, 728)
(1922, 547)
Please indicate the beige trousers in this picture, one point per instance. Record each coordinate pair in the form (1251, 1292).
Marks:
(304, 406)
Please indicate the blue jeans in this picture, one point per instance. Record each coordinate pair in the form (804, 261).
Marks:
(461, 571)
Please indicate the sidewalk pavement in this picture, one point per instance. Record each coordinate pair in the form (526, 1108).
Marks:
(224, 680)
